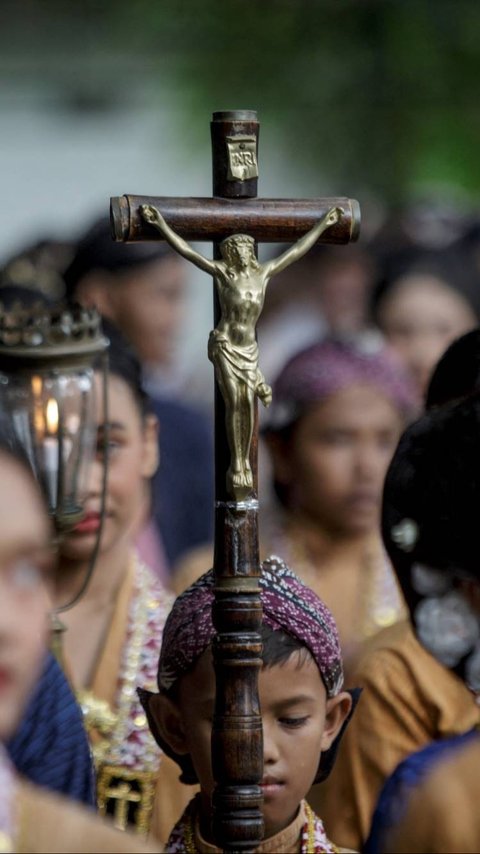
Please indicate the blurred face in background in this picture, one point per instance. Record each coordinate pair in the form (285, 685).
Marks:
(344, 287)
(132, 459)
(334, 463)
(24, 591)
(146, 302)
(420, 316)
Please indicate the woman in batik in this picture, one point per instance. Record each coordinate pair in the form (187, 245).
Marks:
(421, 689)
(113, 634)
(31, 819)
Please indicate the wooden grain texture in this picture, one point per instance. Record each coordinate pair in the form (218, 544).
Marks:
(237, 746)
(266, 220)
(237, 742)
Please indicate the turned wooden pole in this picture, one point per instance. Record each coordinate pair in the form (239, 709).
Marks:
(237, 749)
(237, 744)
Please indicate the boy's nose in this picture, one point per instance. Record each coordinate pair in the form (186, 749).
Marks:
(270, 747)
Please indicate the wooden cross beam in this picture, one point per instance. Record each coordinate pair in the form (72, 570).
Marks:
(237, 751)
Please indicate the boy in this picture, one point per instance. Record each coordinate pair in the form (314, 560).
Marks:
(303, 708)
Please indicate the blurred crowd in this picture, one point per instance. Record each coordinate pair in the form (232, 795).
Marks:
(353, 339)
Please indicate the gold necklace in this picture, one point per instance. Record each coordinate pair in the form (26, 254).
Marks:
(310, 828)
(307, 833)
(188, 835)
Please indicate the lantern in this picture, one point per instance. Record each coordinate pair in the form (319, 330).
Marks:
(47, 357)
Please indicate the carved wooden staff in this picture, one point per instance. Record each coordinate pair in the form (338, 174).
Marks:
(237, 751)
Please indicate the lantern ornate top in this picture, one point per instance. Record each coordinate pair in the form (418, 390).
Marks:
(49, 333)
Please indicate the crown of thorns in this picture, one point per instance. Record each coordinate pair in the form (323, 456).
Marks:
(237, 238)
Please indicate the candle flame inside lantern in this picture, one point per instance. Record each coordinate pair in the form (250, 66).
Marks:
(37, 386)
(52, 416)
(38, 414)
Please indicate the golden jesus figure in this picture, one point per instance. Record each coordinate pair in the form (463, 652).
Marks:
(241, 282)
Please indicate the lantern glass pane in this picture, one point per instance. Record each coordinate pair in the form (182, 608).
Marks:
(53, 415)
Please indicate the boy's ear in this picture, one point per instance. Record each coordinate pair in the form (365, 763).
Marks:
(151, 454)
(337, 710)
(165, 715)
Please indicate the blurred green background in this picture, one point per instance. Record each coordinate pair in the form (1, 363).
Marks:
(375, 99)
(380, 95)
(375, 95)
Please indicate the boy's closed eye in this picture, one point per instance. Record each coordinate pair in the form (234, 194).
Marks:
(294, 712)
(294, 722)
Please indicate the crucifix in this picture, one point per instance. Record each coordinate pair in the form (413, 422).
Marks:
(235, 219)
(123, 795)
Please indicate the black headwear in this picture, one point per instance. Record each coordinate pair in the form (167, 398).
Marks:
(97, 250)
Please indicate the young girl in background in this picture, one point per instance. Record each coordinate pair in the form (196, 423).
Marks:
(338, 411)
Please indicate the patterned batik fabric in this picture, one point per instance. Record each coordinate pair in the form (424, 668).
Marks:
(50, 747)
(330, 366)
(288, 605)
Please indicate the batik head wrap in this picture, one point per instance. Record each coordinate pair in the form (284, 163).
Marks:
(288, 606)
(321, 370)
(430, 529)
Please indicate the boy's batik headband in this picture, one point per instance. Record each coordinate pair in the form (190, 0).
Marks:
(288, 605)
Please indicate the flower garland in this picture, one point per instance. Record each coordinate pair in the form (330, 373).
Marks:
(128, 750)
(131, 743)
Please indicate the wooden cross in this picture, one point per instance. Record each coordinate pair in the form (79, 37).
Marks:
(237, 750)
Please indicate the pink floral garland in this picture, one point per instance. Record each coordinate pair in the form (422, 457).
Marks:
(131, 742)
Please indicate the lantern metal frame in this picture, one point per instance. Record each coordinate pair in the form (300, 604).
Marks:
(50, 341)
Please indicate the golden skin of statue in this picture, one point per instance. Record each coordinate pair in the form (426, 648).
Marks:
(241, 282)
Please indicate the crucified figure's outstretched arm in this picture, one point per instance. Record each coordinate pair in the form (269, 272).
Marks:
(305, 243)
(153, 216)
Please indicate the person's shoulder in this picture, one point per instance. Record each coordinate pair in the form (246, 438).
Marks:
(395, 643)
(398, 647)
(191, 566)
(456, 774)
(442, 812)
(398, 669)
(51, 823)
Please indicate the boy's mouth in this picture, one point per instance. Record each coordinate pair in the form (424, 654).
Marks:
(271, 786)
